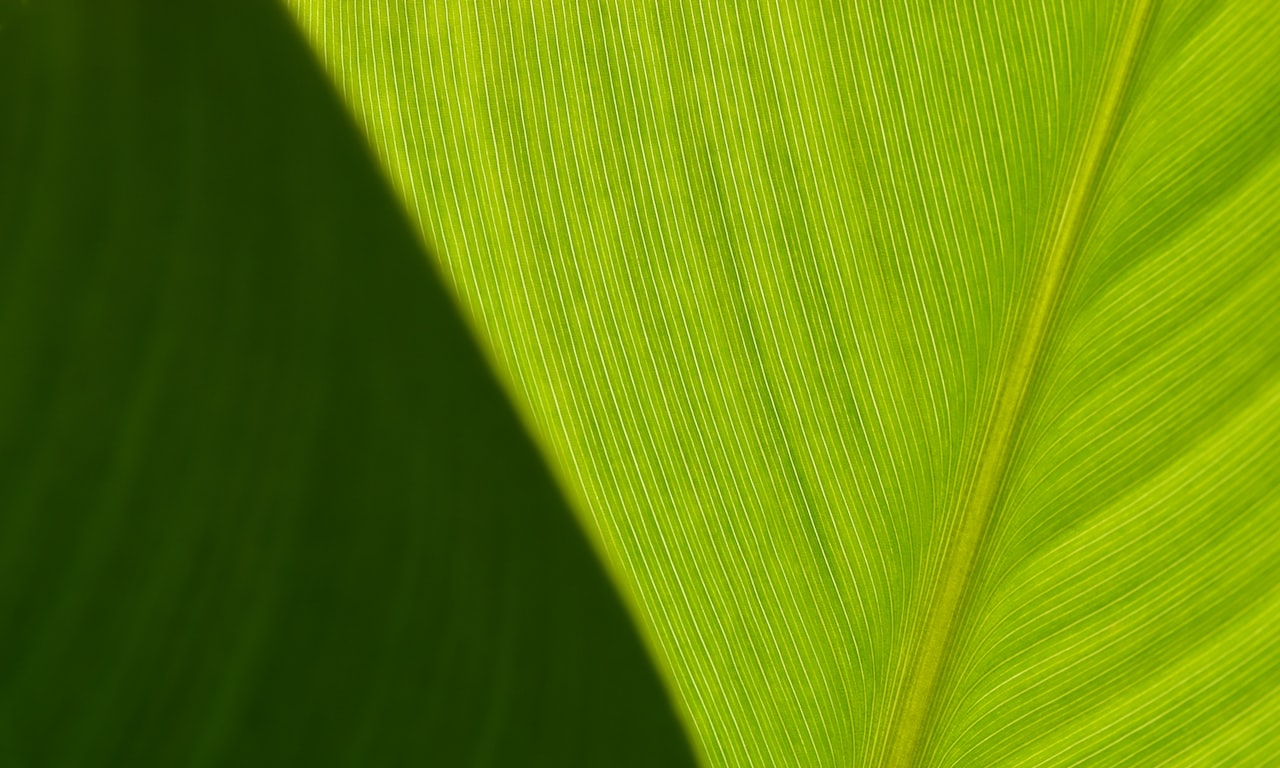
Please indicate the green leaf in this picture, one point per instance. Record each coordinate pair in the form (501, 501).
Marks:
(261, 501)
(917, 365)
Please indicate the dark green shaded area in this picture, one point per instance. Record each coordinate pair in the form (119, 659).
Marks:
(261, 502)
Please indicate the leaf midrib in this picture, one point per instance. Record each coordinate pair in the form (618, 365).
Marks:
(916, 699)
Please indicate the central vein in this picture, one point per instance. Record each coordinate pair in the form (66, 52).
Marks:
(977, 502)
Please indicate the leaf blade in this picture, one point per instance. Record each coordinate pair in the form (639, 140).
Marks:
(754, 268)
(261, 500)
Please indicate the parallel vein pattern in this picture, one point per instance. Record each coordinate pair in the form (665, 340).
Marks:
(979, 497)
(753, 269)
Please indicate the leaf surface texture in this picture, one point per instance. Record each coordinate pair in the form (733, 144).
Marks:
(261, 501)
(761, 275)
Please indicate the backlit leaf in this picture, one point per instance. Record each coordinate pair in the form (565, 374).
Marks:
(916, 364)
